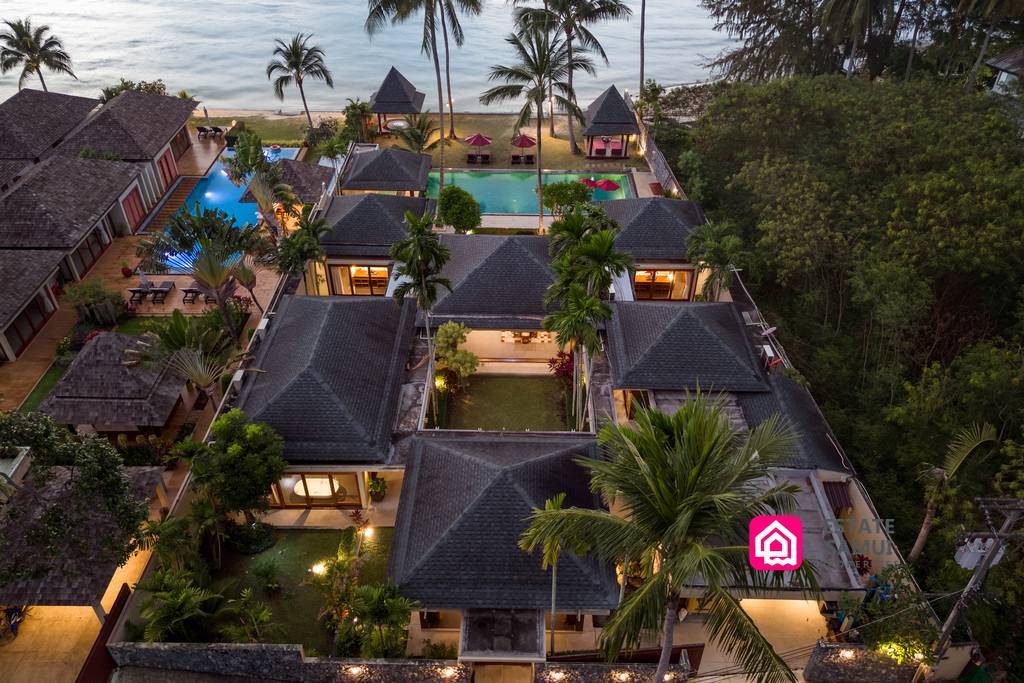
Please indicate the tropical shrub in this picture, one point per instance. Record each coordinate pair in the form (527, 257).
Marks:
(561, 197)
(267, 569)
(458, 208)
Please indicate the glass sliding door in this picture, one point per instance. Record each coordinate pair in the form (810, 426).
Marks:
(662, 285)
(317, 490)
(358, 280)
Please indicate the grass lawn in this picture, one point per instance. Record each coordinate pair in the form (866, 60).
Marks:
(286, 132)
(509, 403)
(297, 605)
(139, 325)
(43, 388)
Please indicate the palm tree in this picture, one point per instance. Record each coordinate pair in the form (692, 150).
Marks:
(419, 258)
(450, 15)
(175, 609)
(597, 262)
(994, 11)
(294, 62)
(567, 233)
(541, 68)
(575, 325)
(683, 485)
(334, 148)
(208, 526)
(170, 541)
(849, 19)
(550, 552)
(383, 612)
(966, 443)
(245, 273)
(716, 248)
(250, 165)
(186, 228)
(643, 38)
(214, 268)
(574, 18)
(416, 136)
(250, 619)
(398, 11)
(32, 49)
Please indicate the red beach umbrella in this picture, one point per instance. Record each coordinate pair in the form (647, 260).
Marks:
(607, 185)
(523, 141)
(589, 182)
(478, 140)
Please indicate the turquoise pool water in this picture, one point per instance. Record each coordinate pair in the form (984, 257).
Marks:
(516, 191)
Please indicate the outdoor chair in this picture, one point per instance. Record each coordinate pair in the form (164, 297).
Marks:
(517, 159)
(160, 293)
(203, 132)
(189, 295)
(138, 294)
(530, 160)
(484, 158)
(216, 130)
(471, 158)
(210, 299)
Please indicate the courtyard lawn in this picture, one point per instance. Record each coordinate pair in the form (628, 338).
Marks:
(138, 325)
(509, 403)
(286, 132)
(43, 388)
(297, 604)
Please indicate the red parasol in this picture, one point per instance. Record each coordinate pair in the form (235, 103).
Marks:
(523, 141)
(478, 140)
(589, 182)
(606, 185)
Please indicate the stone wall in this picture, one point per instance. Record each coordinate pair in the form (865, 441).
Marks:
(281, 663)
(853, 663)
(579, 672)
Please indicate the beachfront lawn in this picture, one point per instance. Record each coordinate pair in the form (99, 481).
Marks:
(286, 132)
(43, 388)
(509, 403)
(296, 605)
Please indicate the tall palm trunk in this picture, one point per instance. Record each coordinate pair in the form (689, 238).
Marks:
(554, 587)
(573, 147)
(448, 77)
(643, 30)
(850, 56)
(913, 47)
(440, 99)
(39, 72)
(973, 75)
(577, 375)
(664, 660)
(540, 164)
(302, 94)
(926, 528)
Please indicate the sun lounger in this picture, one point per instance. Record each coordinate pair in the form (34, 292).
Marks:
(217, 130)
(189, 295)
(471, 158)
(203, 131)
(517, 159)
(210, 299)
(160, 293)
(484, 158)
(529, 160)
(138, 294)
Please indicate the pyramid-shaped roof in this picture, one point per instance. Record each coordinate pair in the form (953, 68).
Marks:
(673, 346)
(654, 227)
(33, 121)
(387, 170)
(396, 95)
(495, 277)
(465, 502)
(609, 115)
(330, 373)
(306, 180)
(368, 224)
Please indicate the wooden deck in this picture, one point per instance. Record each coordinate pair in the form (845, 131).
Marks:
(201, 155)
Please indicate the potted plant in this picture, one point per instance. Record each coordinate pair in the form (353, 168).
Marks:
(377, 489)
(126, 269)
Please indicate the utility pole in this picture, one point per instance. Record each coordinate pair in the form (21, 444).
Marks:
(1012, 509)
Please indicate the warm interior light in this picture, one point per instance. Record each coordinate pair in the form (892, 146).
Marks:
(320, 568)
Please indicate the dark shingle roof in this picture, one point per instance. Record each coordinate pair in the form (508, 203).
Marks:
(80, 575)
(389, 169)
(60, 200)
(99, 389)
(305, 179)
(495, 276)
(396, 95)
(22, 272)
(330, 376)
(1011, 61)
(465, 501)
(10, 168)
(368, 224)
(654, 227)
(816, 446)
(609, 115)
(33, 121)
(134, 126)
(654, 345)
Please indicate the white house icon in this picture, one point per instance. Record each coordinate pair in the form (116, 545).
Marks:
(776, 545)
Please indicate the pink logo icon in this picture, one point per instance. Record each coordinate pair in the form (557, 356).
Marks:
(776, 543)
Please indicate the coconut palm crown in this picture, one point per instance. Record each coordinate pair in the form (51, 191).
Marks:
(33, 48)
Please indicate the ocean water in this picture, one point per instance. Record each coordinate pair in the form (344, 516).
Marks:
(219, 50)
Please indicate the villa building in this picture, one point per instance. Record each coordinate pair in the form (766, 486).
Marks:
(1009, 68)
(396, 96)
(387, 170)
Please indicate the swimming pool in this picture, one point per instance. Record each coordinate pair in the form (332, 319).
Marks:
(216, 191)
(516, 191)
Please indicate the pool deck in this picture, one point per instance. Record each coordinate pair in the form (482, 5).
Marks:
(198, 159)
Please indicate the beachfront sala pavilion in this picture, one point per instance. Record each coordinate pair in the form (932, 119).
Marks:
(609, 127)
(395, 96)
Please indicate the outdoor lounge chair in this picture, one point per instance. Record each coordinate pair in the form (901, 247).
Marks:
(517, 159)
(530, 160)
(203, 131)
(189, 295)
(217, 130)
(210, 299)
(160, 293)
(138, 294)
(484, 158)
(471, 158)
